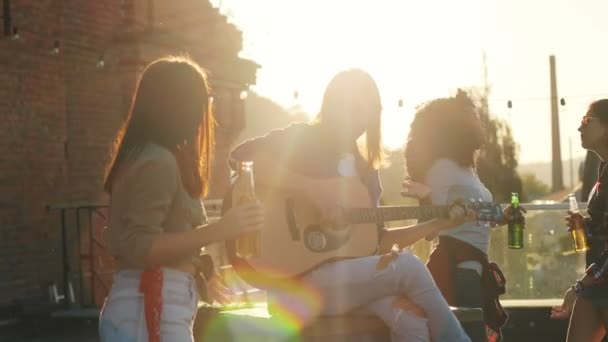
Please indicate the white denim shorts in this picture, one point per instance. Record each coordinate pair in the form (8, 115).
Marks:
(122, 317)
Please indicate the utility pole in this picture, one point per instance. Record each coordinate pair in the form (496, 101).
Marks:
(557, 179)
(486, 84)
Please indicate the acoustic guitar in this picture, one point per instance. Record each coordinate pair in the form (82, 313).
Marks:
(296, 238)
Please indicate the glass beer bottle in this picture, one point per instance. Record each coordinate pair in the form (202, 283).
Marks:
(579, 236)
(515, 235)
(248, 245)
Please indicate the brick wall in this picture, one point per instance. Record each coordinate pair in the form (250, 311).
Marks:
(59, 112)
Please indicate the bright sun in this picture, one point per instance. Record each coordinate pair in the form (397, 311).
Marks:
(420, 50)
(313, 40)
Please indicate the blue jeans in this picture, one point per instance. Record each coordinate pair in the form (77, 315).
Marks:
(467, 286)
(122, 317)
(357, 284)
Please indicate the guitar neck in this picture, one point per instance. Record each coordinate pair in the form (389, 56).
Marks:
(394, 213)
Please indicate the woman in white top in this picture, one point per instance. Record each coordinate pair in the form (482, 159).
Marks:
(445, 137)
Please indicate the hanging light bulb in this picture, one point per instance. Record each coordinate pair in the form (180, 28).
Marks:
(55, 50)
(15, 34)
(100, 62)
(296, 95)
(562, 101)
(400, 103)
(509, 104)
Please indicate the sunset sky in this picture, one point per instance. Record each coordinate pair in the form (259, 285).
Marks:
(418, 50)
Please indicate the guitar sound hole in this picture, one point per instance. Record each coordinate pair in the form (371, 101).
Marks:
(318, 240)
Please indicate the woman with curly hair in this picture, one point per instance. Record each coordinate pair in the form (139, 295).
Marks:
(444, 141)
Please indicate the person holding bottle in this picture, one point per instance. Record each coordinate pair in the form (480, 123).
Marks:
(441, 153)
(158, 173)
(577, 229)
(345, 140)
(586, 302)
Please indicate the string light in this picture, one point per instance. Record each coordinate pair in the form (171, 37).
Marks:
(15, 34)
(100, 62)
(55, 50)
(562, 101)
(400, 103)
(243, 95)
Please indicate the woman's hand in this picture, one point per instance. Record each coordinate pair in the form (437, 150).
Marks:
(241, 219)
(563, 312)
(508, 213)
(417, 190)
(574, 219)
(218, 290)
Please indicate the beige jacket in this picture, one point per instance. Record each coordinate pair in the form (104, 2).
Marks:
(147, 199)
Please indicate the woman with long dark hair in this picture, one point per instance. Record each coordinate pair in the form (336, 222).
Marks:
(157, 226)
(586, 303)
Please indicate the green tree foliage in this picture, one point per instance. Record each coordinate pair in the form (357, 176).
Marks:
(497, 163)
(263, 115)
(497, 168)
(534, 187)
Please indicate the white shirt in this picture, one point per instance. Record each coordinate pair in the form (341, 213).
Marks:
(449, 181)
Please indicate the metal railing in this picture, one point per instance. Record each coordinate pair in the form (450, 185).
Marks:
(77, 221)
(548, 263)
(95, 247)
(75, 209)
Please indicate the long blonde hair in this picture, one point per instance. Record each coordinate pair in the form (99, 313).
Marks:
(350, 89)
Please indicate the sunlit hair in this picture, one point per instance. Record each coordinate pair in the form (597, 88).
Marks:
(354, 92)
(599, 109)
(172, 108)
(443, 128)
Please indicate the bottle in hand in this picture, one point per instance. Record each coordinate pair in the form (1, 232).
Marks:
(579, 236)
(248, 245)
(515, 235)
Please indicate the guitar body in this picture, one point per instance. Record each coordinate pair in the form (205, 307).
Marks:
(295, 238)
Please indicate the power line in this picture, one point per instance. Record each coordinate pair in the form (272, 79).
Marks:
(546, 98)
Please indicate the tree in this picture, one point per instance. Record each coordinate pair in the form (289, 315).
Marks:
(533, 187)
(497, 163)
(263, 115)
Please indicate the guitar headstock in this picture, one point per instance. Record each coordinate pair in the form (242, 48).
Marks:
(485, 211)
